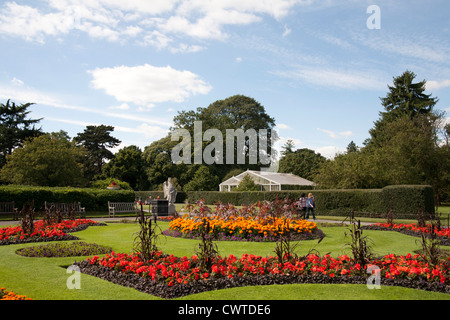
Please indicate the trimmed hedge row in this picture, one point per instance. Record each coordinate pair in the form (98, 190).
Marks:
(146, 195)
(91, 199)
(404, 200)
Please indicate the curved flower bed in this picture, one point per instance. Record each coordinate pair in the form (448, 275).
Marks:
(412, 229)
(240, 228)
(44, 232)
(59, 250)
(169, 276)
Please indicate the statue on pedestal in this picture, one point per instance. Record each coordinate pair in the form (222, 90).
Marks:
(170, 194)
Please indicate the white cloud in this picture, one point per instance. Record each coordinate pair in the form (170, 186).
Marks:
(32, 25)
(282, 126)
(141, 6)
(329, 151)
(420, 46)
(147, 84)
(155, 39)
(330, 133)
(123, 106)
(144, 129)
(436, 85)
(344, 79)
(146, 108)
(17, 82)
(334, 135)
(155, 21)
(286, 32)
(278, 146)
(185, 48)
(346, 134)
(25, 95)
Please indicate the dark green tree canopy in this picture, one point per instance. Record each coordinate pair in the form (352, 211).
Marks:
(203, 179)
(408, 98)
(128, 165)
(96, 140)
(405, 98)
(352, 147)
(48, 160)
(303, 163)
(15, 127)
(236, 112)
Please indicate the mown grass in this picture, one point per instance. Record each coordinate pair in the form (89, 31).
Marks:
(45, 278)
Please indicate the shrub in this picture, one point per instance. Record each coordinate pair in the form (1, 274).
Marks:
(91, 199)
(103, 184)
(407, 199)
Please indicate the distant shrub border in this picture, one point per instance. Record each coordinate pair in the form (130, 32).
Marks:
(404, 200)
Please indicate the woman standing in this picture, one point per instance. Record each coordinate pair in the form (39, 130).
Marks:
(310, 205)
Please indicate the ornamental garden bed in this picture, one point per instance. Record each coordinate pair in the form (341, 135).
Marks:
(238, 228)
(169, 277)
(64, 249)
(412, 229)
(44, 232)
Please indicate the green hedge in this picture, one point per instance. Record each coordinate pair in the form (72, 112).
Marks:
(405, 200)
(146, 195)
(91, 199)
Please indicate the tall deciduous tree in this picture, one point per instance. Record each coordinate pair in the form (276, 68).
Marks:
(96, 140)
(159, 165)
(15, 127)
(48, 160)
(235, 112)
(303, 162)
(128, 165)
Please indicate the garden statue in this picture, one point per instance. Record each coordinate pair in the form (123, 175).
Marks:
(170, 193)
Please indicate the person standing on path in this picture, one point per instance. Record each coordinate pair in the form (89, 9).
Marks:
(310, 205)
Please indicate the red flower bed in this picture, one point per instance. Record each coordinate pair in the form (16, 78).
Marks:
(42, 231)
(174, 271)
(443, 232)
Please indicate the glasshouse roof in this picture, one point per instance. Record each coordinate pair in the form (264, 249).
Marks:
(269, 180)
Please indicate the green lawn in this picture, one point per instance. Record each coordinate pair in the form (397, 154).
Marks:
(45, 278)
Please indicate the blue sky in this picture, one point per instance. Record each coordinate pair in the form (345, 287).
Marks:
(315, 65)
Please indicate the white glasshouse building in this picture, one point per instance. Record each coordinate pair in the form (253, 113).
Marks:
(267, 181)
